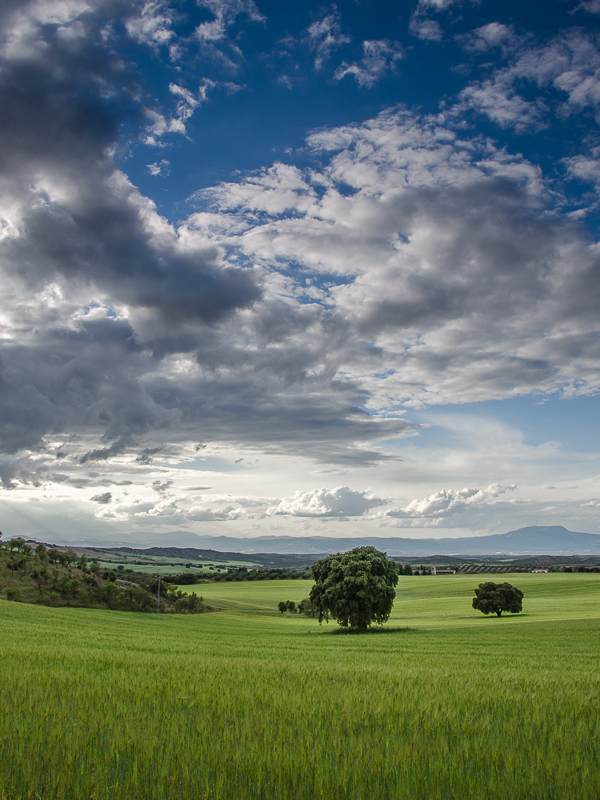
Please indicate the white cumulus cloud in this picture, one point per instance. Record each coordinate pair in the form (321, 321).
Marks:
(338, 502)
(447, 502)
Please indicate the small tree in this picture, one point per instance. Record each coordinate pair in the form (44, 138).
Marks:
(494, 598)
(282, 606)
(71, 587)
(194, 601)
(356, 588)
(291, 606)
(41, 552)
(307, 608)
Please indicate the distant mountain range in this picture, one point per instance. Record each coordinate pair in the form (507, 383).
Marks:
(533, 540)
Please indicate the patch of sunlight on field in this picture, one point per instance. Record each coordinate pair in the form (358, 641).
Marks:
(246, 704)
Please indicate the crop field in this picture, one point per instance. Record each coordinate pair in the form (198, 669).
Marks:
(246, 704)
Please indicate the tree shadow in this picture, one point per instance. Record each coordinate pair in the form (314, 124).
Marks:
(368, 631)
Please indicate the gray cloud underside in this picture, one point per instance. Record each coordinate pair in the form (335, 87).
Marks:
(296, 309)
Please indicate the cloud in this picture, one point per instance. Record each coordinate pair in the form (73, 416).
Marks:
(439, 251)
(225, 13)
(161, 167)
(171, 511)
(592, 6)
(103, 499)
(187, 103)
(379, 57)
(324, 36)
(437, 5)
(569, 64)
(423, 26)
(338, 502)
(151, 23)
(498, 99)
(448, 502)
(490, 36)
(299, 310)
(585, 168)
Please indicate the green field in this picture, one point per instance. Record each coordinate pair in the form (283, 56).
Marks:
(153, 569)
(171, 566)
(246, 703)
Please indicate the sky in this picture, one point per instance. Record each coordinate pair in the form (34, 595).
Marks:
(298, 269)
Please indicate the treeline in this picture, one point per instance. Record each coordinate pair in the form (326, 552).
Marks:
(574, 569)
(243, 574)
(407, 569)
(54, 577)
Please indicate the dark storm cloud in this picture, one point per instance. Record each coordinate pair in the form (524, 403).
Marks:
(78, 235)
(64, 105)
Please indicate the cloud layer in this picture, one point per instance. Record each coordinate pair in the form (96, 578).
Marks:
(304, 308)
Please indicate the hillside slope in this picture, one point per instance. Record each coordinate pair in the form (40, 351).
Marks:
(61, 578)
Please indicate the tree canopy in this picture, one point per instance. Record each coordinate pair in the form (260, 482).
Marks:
(494, 598)
(355, 588)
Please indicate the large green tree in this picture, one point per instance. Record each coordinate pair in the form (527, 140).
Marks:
(355, 588)
(494, 598)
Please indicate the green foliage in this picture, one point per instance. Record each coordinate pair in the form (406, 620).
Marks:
(355, 588)
(307, 608)
(494, 598)
(41, 552)
(70, 582)
(282, 606)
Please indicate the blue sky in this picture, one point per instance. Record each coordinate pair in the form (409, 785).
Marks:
(307, 269)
